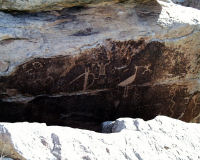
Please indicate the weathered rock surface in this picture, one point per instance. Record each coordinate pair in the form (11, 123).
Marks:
(133, 139)
(42, 5)
(49, 5)
(92, 64)
(189, 3)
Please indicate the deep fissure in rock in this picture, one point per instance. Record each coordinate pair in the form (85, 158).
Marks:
(118, 79)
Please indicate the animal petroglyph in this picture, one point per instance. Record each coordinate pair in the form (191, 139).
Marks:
(127, 82)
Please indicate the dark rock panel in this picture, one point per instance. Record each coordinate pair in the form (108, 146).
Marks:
(119, 79)
(101, 68)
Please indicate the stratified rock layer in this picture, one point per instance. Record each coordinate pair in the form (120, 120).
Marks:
(41, 5)
(49, 5)
(161, 138)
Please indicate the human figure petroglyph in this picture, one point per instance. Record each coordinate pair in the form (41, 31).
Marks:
(102, 68)
(196, 101)
(87, 72)
(146, 67)
(86, 76)
(172, 93)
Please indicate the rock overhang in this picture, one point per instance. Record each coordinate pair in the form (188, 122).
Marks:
(45, 5)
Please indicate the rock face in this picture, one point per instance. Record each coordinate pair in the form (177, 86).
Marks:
(188, 3)
(40, 5)
(161, 138)
(49, 5)
(85, 65)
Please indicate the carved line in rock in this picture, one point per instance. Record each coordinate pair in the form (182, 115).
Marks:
(97, 69)
(127, 82)
(119, 62)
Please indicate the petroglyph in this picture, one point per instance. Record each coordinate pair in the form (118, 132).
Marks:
(102, 68)
(146, 67)
(127, 83)
(195, 106)
(172, 94)
(127, 76)
(187, 100)
(87, 72)
(37, 65)
(129, 80)
(85, 75)
(196, 100)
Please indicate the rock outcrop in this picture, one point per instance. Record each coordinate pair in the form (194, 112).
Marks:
(188, 3)
(50, 5)
(88, 64)
(160, 138)
(41, 5)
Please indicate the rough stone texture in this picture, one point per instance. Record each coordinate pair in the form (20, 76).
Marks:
(93, 64)
(133, 139)
(49, 5)
(42, 5)
(4, 66)
(188, 3)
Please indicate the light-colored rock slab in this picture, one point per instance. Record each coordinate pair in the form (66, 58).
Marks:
(160, 138)
(69, 32)
(42, 5)
(3, 66)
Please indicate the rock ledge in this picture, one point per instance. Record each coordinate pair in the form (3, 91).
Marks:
(160, 138)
